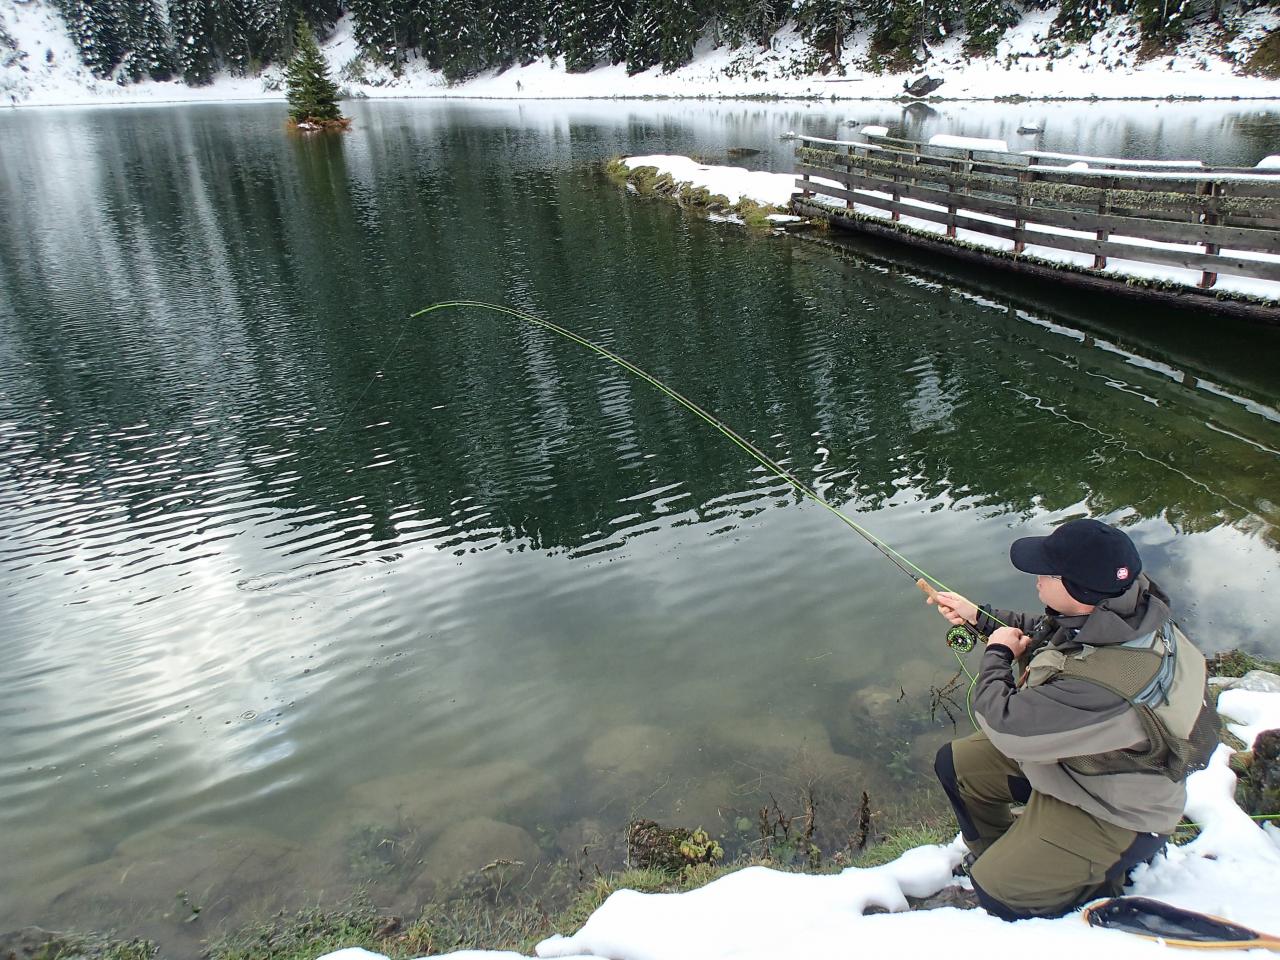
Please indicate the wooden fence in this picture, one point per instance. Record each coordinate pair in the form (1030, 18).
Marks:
(1178, 214)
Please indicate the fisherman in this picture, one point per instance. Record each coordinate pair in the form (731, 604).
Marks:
(1095, 731)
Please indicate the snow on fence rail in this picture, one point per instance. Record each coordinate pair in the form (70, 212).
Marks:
(1210, 227)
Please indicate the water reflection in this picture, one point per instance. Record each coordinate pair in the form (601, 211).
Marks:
(280, 569)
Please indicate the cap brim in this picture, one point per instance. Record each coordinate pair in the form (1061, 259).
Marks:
(1030, 556)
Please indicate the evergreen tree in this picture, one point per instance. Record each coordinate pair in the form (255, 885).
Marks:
(825, 26)
(150, 43)
(1163, 22)
(193, 23)
(678, 25)
(312, 95)
(754, 21)
(986, 21)
(617, 20)
(525, 30)
(458, 40)
(897, 27)
(582, 34)
(1079, 20)
(96, 28)
(375, 29)
(643, 39)
(901, 30)
(497, 23)
(558, 16)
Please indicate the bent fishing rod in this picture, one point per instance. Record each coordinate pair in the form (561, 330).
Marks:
(962, 639)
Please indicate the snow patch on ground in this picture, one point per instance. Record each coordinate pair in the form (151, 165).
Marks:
(44, 69)
(735, 183)
(1231, 870)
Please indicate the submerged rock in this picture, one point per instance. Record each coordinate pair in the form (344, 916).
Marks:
(582, 838)
(481, 845)
(701, 802)
(178, 884)
(433, 798)
(762, 736)
(878, 702)
(635, 748)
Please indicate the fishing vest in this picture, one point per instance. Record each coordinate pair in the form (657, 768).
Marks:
(1164, 678)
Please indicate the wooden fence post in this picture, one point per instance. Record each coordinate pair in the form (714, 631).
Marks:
(848, 204)
(1208, 278)
(958, 166)
(805, 192)
(1020, 223)
(1104, 208)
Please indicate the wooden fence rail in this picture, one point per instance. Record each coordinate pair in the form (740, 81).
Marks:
(1179, 214)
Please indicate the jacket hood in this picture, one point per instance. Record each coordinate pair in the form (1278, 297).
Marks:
(1141, 609)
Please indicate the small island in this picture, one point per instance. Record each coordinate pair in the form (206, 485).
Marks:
(313, 97)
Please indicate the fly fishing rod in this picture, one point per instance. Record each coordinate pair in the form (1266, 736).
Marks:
(960, 638)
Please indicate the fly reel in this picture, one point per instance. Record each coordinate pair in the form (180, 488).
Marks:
(961, 639)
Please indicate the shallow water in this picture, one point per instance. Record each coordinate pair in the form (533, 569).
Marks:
(298, 595)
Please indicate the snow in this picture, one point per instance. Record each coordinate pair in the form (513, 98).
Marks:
(968, 143)
(773, 189)
(1270, 163)
(1268, 289)
(1045, 155)
(1028, 62)
(1231, 870)
(1249, 712)
(776, 189)
(872, 130)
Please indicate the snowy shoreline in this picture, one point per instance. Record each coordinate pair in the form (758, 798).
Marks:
(775, 190)
(1231, 870)
(276, 98)
(45, 70)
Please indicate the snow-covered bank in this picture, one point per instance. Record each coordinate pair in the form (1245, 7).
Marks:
(43, 68)
(734, 183)
(777, 189)
(1232, 870)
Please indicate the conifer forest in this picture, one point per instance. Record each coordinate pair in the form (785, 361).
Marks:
(194, 39)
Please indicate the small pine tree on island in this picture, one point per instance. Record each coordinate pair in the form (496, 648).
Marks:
(313, 97)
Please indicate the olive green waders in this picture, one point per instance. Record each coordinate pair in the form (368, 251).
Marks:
(1045, 862)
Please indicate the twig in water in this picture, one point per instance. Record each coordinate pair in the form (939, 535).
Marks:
(859, 842)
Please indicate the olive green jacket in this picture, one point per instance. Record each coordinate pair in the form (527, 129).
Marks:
(1038, 720)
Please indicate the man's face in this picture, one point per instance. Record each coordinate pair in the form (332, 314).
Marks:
(1053, 594)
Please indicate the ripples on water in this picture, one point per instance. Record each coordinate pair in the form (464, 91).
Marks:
(257, 614)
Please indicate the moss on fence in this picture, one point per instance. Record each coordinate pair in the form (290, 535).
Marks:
(1045, 192)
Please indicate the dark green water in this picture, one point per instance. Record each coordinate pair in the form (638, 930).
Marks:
(268, 633)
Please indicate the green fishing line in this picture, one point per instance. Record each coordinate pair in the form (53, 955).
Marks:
(904, 564)
(901, 562)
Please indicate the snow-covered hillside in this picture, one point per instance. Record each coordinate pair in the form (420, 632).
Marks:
(39, 66)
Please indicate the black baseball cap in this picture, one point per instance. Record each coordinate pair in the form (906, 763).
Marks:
(1094, 559)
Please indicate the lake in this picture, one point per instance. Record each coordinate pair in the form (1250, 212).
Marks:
(300, 596)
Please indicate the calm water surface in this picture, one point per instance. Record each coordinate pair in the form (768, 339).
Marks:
(297, 597)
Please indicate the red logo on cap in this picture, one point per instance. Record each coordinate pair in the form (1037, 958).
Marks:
(1122, 573)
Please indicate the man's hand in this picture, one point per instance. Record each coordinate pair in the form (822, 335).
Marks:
(1010, 637)
(955, 608)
